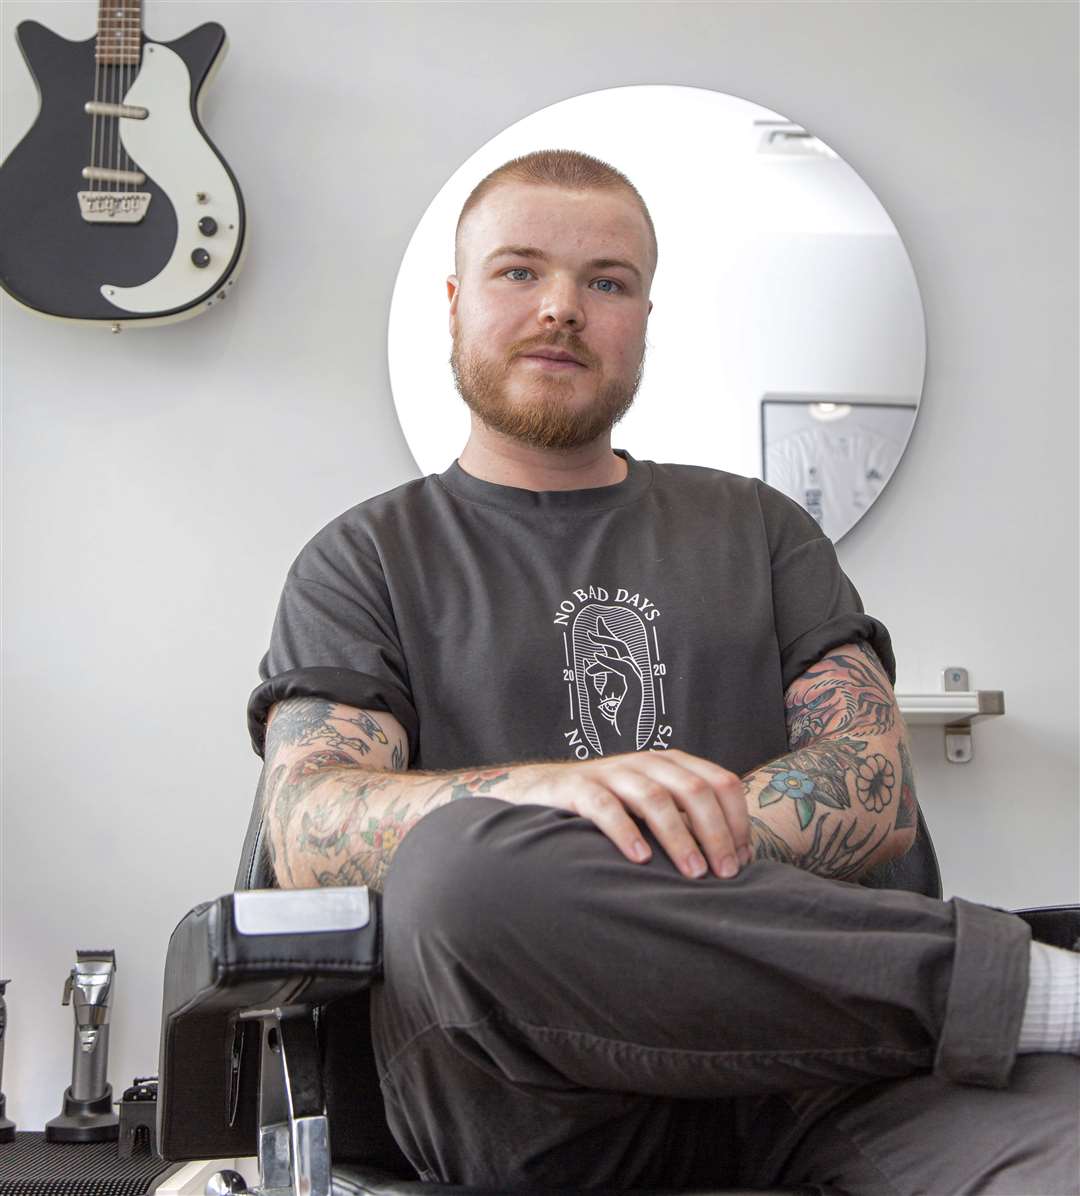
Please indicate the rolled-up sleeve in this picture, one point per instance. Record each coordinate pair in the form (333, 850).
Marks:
(334, 639)
(815, 605)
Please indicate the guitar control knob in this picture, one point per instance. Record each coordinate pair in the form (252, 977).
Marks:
(200, 257)
(208, 226)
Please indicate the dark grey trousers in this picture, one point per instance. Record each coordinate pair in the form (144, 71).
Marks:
(552, 1014)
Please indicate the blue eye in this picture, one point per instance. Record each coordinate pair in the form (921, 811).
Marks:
(525, 270)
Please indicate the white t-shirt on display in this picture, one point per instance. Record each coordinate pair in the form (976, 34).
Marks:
(834, 471)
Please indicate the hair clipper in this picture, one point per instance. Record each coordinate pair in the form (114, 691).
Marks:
(7, 1126)
(88, 1105)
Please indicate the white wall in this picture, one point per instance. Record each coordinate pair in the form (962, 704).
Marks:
(157, 484)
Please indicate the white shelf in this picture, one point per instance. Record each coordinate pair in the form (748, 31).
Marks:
(954, 710)
(946, 709)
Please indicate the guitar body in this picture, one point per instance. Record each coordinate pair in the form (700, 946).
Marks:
(57, 263)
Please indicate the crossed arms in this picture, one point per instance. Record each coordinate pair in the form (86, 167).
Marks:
(339, 796)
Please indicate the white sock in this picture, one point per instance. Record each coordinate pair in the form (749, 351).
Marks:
(1052, 1013)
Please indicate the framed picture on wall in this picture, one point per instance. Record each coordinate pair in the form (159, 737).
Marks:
(832, 454)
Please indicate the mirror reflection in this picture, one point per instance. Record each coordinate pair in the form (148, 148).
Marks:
(832, 458)
(787, 338)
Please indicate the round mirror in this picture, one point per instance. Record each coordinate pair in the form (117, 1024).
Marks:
(786, 340)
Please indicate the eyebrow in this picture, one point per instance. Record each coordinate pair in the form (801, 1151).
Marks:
(530, 251)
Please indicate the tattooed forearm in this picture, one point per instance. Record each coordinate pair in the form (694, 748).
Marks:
(844, 798)
(268, 784)
(803, 812)
(335, 813)
(304, 721)
(835, 851)
(907, 811)
(846, 692)
(336, 823)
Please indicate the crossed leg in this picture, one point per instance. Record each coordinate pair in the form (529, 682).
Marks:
(553, 1014)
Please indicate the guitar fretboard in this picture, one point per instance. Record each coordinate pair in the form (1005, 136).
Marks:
(119, 32)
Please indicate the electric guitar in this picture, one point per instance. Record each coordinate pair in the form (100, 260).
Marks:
(116, 208)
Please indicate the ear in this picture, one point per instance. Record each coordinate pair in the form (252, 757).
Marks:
(453, 290)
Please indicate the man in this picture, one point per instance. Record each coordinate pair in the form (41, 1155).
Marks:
(635, 955)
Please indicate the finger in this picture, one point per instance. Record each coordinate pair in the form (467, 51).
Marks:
(696, 795)
(607, 812)
(613, 664)
(652, 800)
(730, 791)
(605, 637)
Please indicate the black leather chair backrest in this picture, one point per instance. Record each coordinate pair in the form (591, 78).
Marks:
(254, 870)
(917, 871)
(355, 1107)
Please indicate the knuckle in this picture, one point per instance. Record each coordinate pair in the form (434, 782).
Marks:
(698, 788)
(719, 838)
(586, 796)
(655, 798)
(602, 799)
(735, 809)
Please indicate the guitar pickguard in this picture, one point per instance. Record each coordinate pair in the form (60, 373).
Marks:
(169, 147)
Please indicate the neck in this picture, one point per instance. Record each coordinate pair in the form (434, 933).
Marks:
(507, 462)
(119, 35)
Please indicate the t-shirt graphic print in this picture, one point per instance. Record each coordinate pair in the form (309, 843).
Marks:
(614, 675)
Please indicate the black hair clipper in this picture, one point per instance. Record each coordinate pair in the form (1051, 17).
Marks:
(7, 1127)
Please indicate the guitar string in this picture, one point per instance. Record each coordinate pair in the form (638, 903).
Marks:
(117, 68)
(131, 41)
(118, 76)
(115, 29)
(109, 39)
(97, 87)
(111, 69)
(117, 62)
(118, 79)
(121, 85)
(126, 43)
(107, 124)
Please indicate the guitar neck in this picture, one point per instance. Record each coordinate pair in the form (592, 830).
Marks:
(119, 33)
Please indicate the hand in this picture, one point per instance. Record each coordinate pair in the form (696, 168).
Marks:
(686, 801)
(615, 693)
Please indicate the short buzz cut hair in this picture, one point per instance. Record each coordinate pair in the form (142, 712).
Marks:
(570, 169)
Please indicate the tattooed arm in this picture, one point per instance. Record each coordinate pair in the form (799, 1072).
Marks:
(843, 800)
(337, 797)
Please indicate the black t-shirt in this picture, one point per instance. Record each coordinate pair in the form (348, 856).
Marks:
(497, 624)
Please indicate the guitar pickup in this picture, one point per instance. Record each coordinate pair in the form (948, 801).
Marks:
(102, 175)
(97, 108)
(114, 207)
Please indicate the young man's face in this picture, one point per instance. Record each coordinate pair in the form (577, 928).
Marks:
(507, 306)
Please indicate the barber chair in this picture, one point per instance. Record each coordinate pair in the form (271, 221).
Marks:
(266, 1041)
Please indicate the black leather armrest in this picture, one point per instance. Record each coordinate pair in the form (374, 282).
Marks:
(1056, 925)
(268, 947)
(249, 950)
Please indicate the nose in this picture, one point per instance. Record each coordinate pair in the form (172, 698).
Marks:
(561, 306)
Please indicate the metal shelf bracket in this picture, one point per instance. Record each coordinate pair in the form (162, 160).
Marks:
(955, 708)
(958, 745)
